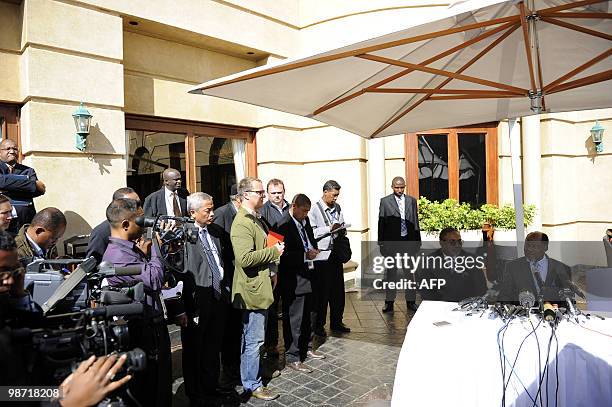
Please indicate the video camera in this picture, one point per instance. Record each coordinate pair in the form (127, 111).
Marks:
(56, 291)
(183, 229)
(82, 316)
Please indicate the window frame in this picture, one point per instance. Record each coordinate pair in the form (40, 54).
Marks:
(490, 132)
(191, 129)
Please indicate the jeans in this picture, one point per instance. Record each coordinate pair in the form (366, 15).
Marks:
(253, 335)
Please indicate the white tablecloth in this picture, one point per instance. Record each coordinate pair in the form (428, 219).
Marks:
(459, 364)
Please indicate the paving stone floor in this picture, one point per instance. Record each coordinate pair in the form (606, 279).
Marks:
(359, 369)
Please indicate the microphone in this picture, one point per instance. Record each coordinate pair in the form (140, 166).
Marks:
(107, 269)
(572, 286)
(527, 299)
(548, 312)
(567, 295)
(117, 310)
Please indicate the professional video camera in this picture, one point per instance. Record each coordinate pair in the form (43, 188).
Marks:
(57, 291)
(81, 316)
(182, 228)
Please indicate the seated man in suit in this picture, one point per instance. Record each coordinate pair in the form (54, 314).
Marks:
(535, 272)
(295, 274)
(461, 271)
(170, 199)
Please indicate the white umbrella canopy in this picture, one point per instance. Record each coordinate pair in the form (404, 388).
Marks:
(482, 61)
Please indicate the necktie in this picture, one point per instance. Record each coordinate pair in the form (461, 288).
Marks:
(212, 263)
(403, 226)
(175, 205)
(535, 268)
(10, 169)
(304, 237)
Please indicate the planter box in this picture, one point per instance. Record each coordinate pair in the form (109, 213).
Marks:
(471, 238)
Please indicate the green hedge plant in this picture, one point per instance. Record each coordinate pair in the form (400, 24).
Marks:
(435, 216)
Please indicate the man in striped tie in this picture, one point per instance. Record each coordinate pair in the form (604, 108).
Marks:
(206, 292)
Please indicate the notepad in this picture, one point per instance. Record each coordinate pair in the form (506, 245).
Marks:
(274, 238)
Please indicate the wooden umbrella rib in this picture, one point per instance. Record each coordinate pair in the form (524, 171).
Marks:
(527, 50)
(579, 69)
(459, 97)
(588, 80)
(358, 51)
(441, 72)
(569, 6)
(446, 81)
(442, 91)
(602, 16)
(578, 28)
(393, 77)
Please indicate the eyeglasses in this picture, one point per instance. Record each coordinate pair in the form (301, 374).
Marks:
(260, 193)
(10, 149)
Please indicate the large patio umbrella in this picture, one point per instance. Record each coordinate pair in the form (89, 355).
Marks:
(481, 61)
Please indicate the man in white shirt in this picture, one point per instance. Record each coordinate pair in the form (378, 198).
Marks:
(328, 279)
(169, 199)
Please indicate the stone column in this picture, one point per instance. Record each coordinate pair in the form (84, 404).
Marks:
(532, 172)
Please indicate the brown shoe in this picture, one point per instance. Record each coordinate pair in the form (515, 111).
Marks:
(315, 354)
(299, 366)
(263, 393)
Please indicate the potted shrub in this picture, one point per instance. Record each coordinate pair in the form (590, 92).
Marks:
(435, 216)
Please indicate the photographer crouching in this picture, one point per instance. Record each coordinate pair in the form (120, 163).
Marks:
(127, 248)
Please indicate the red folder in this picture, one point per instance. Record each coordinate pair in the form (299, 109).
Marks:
(274, 238)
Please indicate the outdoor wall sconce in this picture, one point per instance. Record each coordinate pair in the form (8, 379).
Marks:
(597, 136)
(82, 121)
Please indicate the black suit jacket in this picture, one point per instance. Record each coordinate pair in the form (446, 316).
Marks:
(390, 224)
(224, 216)
(98, 241)
(197, 273)
(518, 277)
(155, 203)
(461, 281)
(293, 273)
(272, 215)
(21, 190)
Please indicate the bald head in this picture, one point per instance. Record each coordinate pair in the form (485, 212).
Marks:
(171, 179)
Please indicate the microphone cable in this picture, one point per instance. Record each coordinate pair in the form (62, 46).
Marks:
(544, 374)
(514, 363)
(539, 356)
(502, 362)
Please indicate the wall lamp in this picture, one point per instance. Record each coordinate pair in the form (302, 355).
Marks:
(597, 136)
(82, 121)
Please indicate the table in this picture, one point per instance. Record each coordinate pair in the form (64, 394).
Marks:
(459, 364)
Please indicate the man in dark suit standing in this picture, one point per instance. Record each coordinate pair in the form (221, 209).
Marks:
(19, 183)
(535, 272)
(398, 232)
(275, 208)
(98, 238)
(207, 301)
(170, 199)
(230, 352)
(295, 274)
(224, 216)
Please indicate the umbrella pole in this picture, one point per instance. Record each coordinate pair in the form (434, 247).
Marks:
(514, 134)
